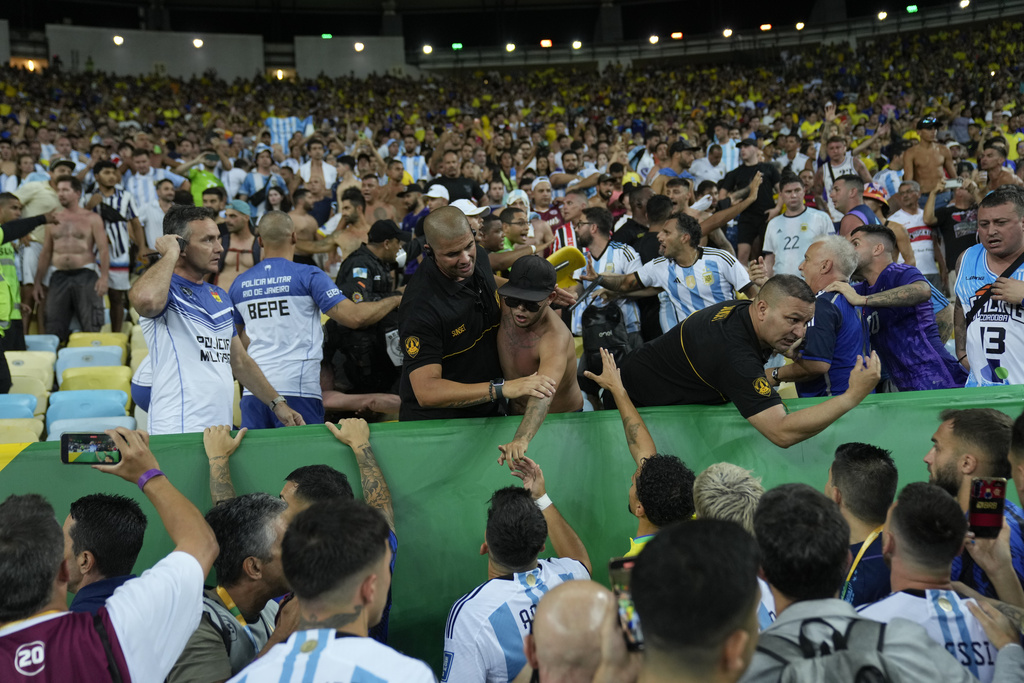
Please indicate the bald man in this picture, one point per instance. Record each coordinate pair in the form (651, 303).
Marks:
(449, 330)
(568, 626)
(276, 308)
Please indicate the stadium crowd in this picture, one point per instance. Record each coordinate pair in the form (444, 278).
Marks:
(545, 241)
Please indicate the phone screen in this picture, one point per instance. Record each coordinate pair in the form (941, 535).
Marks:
(88, 449)
(985, 510)
(619, 571)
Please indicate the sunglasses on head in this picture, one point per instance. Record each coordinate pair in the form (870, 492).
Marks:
(531, 306)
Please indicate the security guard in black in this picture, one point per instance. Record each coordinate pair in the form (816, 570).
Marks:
(714, 356)
(453, 324)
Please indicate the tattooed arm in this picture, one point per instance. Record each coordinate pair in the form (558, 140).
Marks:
(639, 440)
(904, 295)
(219, 446)
(551, 353)
(355, 434)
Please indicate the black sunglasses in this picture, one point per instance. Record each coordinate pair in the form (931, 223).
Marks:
(531, 306)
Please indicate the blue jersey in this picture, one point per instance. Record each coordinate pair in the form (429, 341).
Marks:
(870, 580)
(836, 336)
(907, 337)
(995, 336)
(964, 569)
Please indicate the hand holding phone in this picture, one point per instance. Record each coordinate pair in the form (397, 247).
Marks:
(88, 449)
(985, 509)
(619, 570)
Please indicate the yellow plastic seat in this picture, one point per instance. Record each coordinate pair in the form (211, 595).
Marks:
(101, 339)
(12, 435)
(30, 423)
(120, 378)
(38, 364)
(567, 261)
(34, 386)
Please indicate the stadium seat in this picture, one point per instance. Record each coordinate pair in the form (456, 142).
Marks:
(34, 386)
(33, 424)
(77, 379)
(42, 342)
(90, 425)
(37, 364)
(81, 404)
(17, 405)
(11, 435)
(86, 357)
(101, 339)
(114, 395)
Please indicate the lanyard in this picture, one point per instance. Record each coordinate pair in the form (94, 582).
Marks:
(864, 546)
(233, 608)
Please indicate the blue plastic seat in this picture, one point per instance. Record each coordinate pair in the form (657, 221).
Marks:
(83, 395)
(87, 357)
(88, 425)
(17, 405)
(42, 342)
(84, 406)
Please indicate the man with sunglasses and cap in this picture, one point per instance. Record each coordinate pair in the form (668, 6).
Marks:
(928, 161)
(532, 339)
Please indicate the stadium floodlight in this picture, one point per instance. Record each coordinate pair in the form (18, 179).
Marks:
(456, 46)
(280, 75)
(727, 33)
(427, 49)
(359, 47)
(544, 43)
(510, 47)
(882, 16)
(118, 40)
(766, 27)
(31, 66)
(326, 36)
(198, 42)
(964, 4)
(576, 44)
(654, 40)
(678, 35)
(911, 9)
(800, 26)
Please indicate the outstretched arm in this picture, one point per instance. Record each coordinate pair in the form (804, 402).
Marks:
(639, 440)
(219, 446)
(904, 295)
(564, 540)
(355, 434)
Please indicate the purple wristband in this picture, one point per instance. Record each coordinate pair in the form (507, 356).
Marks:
(144, 479)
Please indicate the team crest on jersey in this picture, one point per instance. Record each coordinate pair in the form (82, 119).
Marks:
(216, 296)
(803, 227)
(188, 292)
(762, 387)
(446, 665)
(709, 277)
(412, 346)
(690, 282)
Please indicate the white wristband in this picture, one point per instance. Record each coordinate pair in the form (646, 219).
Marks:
(543, 502)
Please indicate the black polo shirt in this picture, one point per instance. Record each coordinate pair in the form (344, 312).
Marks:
(458, 188)
(364, 277)
(714, 356)
(455, 325)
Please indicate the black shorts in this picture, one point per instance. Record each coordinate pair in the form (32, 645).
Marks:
(748, 232)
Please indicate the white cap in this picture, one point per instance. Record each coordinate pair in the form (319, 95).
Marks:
(438, 192)
(953, 143)
(469, 208)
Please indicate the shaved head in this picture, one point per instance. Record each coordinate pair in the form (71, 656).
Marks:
(566, 641)
(783, 287)
(444, 225)
(275, 228)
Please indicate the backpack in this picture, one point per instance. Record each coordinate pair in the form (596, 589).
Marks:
(603, 326)
(858, 655)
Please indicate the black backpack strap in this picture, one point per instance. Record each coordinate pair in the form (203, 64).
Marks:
(257, 254)
(101, 631)
(810, 651)
(865, 634)
(980, 302)
(778, 648)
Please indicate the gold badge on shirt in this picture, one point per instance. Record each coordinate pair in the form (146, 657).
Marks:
(412, 346)
(762, 386)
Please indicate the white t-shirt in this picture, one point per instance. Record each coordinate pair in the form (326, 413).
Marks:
(702, 170)
(232, 180)
(483, 639)
(789, 236)
(279, 304)
(152, 218)
(829, 174)
(153, 616)
(920, 240)
(190, 347)
(618, 259)
(714, 277)
(796, 164)
(323, 656)
(948, 621)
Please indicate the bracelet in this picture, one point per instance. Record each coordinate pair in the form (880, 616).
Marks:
(544, 502)
(276, 402)
(490, 391)
(149, 474)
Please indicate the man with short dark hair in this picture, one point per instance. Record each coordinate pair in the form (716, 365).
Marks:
(239, 614)
(151, 216)
(103, 536)
(483, 639)
(804, 556)
(969, 444)
(862, 482)
(336, 556)
(679, 161)
(719, 598)
(847, 196)
(752, 222)
(143, 627)
(718, 355)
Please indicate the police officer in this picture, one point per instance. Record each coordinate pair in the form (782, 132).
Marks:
(449, 325)
(372, 360)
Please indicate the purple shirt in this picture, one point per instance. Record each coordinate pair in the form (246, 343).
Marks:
(907, 337)
(66, 649)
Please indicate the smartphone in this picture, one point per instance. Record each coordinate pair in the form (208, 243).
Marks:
(88, 449)
(985, 510)
(954, 183)
(619, 570)
(182, 244)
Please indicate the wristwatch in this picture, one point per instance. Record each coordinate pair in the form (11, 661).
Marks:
(496, 385)
(775, 376)
(276, 402)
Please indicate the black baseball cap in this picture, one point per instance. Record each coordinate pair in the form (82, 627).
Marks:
(415, 187)
(606, 178)
(682, 146)
(747, 141)
(928, 122)
(531, 278)
(385, 230)
(62, 162)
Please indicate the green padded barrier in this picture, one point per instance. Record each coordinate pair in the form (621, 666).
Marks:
(441, 475)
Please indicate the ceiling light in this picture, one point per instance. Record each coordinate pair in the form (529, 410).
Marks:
(118, 40)
(198, 42)
(544, 43)
(576, 45)
(510, 47)
(678, 35)
(800, 26)
(766, 27)
(427, 49)
(727, 32)
(654, 40)
(359, 47)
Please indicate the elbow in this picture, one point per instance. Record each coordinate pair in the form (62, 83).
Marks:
(783, 441)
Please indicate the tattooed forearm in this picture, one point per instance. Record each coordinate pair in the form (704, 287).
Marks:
(221, 488)
(533, 418)
(907, 295)
(1014, 614)
(335, 621)
(632, 428)
(375, 490)
(944, 319)
(466, 403)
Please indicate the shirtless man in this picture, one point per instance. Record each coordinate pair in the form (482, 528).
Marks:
(305, 224)
(238, 257)
(990, 163)
(377, 208)
(926, 161)
(347, 178)
(532, 340)
(75, 288)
